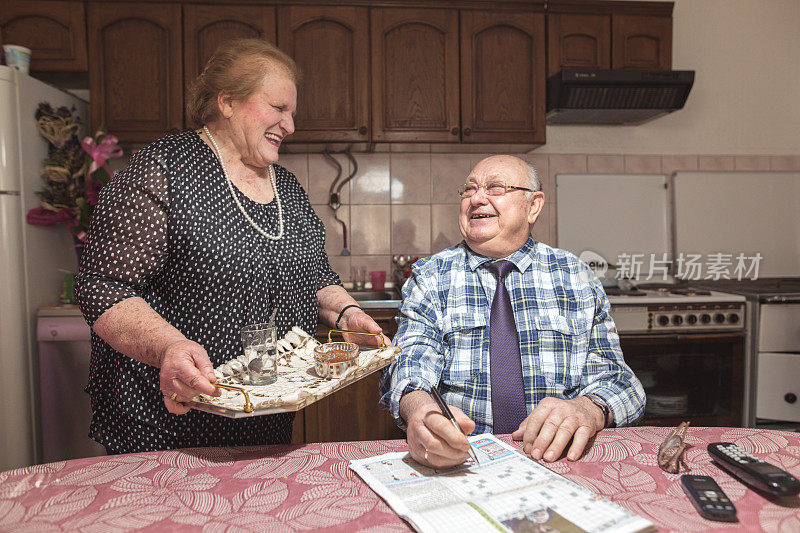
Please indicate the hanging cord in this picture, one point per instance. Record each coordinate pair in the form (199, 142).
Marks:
(350, 176)
(334, 200)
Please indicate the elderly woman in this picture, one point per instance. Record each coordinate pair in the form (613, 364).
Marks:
(202, 234)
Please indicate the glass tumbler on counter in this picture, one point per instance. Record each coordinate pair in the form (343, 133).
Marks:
(261, 352)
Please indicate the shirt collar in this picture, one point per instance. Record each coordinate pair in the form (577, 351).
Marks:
(522, 258)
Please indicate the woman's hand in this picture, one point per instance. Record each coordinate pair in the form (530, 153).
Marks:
(186, 371)
(355, 319)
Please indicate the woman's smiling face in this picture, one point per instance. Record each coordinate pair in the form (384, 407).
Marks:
(259, 123)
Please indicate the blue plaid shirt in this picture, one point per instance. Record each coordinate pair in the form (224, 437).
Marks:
(568, 341)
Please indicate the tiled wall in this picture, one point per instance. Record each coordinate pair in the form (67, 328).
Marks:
(406, 203)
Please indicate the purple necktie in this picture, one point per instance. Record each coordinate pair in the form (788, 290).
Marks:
(505, 363)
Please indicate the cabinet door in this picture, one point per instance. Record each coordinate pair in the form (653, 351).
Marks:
(54, 31)
(330, 45)
(641, 42)
(135, 61)
(415, 75)
(578, 41)
(502, 77)
(205, 27)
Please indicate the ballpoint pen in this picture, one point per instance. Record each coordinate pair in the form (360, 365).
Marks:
(449, 415)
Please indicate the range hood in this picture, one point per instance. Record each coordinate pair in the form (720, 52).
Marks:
(623, 97)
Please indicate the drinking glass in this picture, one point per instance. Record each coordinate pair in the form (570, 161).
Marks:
(260, 349)
(359, 275)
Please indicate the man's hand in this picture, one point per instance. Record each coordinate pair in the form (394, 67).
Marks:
(186, 371)
(550, 426)
(432, 439)
(355, 319)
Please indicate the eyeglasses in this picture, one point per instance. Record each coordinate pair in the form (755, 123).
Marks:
(492, 188)
(671, 451)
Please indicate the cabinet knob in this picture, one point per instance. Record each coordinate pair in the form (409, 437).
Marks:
(454, 131)
(790, 397)
(467, 131)
(363, 130)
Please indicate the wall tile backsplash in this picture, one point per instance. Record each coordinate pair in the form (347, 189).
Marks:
(405, 202)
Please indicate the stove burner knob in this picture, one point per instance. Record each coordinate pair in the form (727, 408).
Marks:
(677, 320)
(733, 318)
(691, 319)
(790, 397)
(719, 318)
(663, 320)
(705, 318)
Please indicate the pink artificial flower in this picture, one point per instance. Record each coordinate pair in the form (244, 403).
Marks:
(93, 191)
(40, 216)
(100, 153)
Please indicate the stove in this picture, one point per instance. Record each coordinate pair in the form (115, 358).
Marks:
(686, 345)
(673, 308)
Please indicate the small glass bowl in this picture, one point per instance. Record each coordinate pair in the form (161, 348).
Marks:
(332, 359)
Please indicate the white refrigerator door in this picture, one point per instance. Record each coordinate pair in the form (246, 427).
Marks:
(30, 258)
(16, 431)
(9, 134)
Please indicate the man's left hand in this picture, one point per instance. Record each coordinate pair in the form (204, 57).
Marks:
(550, 426)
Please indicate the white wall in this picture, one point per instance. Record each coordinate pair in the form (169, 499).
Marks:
(746, 96)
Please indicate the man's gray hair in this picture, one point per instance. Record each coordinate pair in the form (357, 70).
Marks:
(533, 177)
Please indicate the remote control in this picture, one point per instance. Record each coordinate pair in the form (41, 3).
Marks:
(708, 498)
(752, 470)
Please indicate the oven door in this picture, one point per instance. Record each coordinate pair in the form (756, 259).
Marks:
(696, 377)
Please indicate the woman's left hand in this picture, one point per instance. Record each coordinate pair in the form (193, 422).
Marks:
(355, 319)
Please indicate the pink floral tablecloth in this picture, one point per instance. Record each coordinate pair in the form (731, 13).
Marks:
(297, 488)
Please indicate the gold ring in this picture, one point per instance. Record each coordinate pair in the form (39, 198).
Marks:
(426, 454)
(174, 395)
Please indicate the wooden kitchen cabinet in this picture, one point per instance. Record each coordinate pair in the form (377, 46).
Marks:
(207, 26)
(54, 31)
(415, 75)
(609, 35)
(352, 413)
(641, 42)
(421, 93)
(135, 69)
(502, 77)
(578, 41)
(331, 46)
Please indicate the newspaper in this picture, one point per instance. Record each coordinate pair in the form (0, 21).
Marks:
(507, 491)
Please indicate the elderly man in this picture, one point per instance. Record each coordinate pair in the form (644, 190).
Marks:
(516, 335)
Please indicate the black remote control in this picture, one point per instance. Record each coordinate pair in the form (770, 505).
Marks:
(753, 471)
(708, 498)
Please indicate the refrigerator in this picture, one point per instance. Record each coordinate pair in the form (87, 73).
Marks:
(32, 259)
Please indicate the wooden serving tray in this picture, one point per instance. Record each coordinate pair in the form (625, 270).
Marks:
(297, 386)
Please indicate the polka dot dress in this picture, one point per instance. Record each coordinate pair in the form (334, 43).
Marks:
(167, 230)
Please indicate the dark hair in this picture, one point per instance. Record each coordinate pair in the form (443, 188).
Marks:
(237, 68)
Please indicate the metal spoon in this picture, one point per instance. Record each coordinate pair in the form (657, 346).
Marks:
(272, 318)
(254, 367)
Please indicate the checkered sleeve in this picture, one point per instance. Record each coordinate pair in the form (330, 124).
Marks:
(606, 374)
(419, 336)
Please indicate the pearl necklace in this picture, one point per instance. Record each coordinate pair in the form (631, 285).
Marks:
(236, 199)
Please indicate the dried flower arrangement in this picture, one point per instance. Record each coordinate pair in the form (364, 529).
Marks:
(74, 171)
